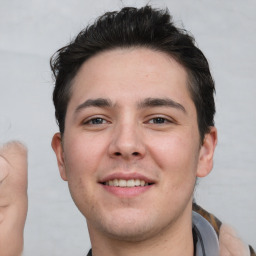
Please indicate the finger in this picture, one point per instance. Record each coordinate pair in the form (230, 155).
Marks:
(13, 197)
(3, 169)
(14, 153)
(13, 169)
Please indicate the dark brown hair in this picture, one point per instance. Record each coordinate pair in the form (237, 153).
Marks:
(132, 27)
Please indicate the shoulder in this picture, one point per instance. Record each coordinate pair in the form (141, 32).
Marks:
(230, 243)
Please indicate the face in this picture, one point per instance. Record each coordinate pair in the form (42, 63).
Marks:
(131, 148)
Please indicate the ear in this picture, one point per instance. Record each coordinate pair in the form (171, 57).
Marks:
(58, 149)
(206, 153)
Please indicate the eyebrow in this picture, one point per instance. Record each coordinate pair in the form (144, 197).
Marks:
(161, 102)
(146, 103)
(100, 102)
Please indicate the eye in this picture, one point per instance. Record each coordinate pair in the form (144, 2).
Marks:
(96, 121)
(158, 120)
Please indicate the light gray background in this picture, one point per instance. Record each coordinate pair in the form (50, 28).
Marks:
(30, 31)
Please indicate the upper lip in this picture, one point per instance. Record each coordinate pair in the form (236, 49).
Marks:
(126, 176)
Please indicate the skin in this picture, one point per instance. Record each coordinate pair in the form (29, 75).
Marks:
(13, 197)
(231, 244)
(129, 137)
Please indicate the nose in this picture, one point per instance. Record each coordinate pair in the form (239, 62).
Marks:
(127, 143)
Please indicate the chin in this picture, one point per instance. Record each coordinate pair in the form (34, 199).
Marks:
(129, 227)
(130, 234)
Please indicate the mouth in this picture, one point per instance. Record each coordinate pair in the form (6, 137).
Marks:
(131, 183)
(127, 185)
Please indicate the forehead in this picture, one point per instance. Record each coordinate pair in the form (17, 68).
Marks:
(130, 74)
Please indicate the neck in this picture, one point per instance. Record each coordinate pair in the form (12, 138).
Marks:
(175, 239)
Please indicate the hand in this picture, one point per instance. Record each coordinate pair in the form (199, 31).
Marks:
(13, 198)
(231, 244)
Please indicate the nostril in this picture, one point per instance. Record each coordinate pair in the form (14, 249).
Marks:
(134, 153)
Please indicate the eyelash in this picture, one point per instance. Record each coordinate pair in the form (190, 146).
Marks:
(96, 119)
(158, 120)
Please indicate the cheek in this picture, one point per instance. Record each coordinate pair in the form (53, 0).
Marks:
(177, 157)
(173, 151)
(82, 155)
(178, 161)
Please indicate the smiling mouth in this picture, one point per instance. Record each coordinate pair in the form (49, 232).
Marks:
(127, 183)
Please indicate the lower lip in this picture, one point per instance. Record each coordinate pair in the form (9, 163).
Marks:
(127, 191)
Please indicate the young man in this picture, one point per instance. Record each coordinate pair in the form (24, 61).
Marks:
(135, 107)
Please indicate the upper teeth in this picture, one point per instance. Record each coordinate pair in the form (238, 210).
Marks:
(126, 183)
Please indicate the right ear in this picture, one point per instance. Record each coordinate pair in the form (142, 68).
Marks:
(58, 149)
